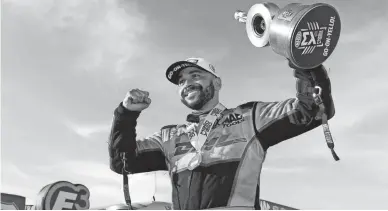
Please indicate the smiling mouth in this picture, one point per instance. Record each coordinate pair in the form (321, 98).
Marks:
(190, 89)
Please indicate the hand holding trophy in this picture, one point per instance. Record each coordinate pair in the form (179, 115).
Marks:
(305, 34)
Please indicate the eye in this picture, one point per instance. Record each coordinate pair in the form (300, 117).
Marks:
(195, 75)
(181, 82)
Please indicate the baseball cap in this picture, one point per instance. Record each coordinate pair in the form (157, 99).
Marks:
(173, 71)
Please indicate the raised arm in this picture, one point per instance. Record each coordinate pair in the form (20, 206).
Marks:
(141, 155)
(279, 121)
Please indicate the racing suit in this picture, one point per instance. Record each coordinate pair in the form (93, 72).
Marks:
(229, 175)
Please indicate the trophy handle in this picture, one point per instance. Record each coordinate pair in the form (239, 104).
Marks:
(240, 16)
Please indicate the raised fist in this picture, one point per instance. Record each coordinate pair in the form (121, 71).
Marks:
(136, 100)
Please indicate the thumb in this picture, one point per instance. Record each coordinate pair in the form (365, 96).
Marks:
(147, 100)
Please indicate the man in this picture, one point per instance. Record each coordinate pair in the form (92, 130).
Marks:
(215, 158)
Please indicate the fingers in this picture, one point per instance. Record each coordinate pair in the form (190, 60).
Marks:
(147, 100)
(139, 93)
(146, 93)
(139, 96)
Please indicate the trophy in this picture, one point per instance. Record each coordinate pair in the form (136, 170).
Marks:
(305, 34)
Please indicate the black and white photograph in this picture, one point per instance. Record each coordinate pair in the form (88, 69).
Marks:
(194, 105)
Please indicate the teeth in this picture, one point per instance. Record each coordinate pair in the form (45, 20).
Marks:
(191, 92)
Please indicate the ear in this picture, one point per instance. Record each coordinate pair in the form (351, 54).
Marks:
(217, 83)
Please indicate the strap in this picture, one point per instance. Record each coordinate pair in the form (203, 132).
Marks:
(325, 124)
(199, 139)
(127, 197)
(155, 187)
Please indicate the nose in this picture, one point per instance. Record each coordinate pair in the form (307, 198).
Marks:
(188, 82)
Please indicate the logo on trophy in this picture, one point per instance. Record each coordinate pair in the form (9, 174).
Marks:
(305, 34)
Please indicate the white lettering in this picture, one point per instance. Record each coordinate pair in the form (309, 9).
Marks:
(330, 31)
(325, 51)
(311, 41)
(61, 202)
(298, 39)
(320, 35)
(328, 36)
(304, 41)
(332, 20)
(327, 42)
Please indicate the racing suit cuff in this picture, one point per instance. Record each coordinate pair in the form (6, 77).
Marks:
(319, 74)
(315, 75)
(122, 112)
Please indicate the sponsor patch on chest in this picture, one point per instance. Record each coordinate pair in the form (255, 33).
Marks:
(233, 119)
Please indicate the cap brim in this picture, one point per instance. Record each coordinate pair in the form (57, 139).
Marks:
(173, 71)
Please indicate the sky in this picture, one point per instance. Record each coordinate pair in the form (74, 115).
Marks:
(66, 65)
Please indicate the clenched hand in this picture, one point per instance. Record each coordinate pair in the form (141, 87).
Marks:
(136, 100)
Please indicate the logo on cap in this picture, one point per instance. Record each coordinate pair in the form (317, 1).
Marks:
(195, 61)
(170, 74)
(212, 67)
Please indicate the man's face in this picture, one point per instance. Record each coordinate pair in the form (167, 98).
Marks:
(195, 87)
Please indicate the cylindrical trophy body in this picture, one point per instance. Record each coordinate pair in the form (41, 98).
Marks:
(305, 34)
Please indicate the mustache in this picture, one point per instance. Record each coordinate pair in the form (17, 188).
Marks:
(189, 88)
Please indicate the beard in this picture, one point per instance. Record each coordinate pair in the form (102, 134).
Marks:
(204, 96)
